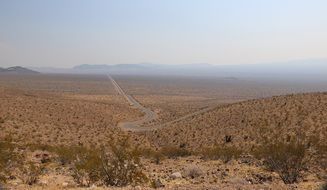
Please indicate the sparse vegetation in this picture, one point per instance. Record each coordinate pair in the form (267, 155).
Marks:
(87, 166)
(174, 152)
(324, 186)
(30, 173)
(122, 166)
(164, 152)
(193, 171)
(224, 153)
(67, 155)
(287, 159)
(72, 127)
(119, 167)
(2, 120)
(6, 158)
(156, 156)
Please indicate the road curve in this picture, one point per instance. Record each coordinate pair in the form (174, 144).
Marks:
(149, 115)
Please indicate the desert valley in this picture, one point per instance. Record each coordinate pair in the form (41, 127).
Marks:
(62, 131)
(163, 94)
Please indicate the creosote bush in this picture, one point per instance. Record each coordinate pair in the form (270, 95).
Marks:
(287, 159)
(120, 166)
(87, 167)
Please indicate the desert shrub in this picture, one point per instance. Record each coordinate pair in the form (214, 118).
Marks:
(122, 166)
(6, 157)
(287, 159)
(119, 167)
(156, 183)
(174, 152)
(324, 186)
(322, 154)
(156, 156)
(192, 171)
(224, 153)
(2, 120)
(30, 173)
(68, 154)
(87, 165)
(11, 160)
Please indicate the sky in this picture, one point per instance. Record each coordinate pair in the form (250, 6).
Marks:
(65, 33)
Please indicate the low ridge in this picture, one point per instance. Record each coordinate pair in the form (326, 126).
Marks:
(17, 70)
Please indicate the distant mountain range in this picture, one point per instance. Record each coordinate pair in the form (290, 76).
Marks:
(148, 69)
(118, 66)
(300, 69)
(17, 70)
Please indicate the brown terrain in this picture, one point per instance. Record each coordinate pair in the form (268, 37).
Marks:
(70, 132)
(251, 122)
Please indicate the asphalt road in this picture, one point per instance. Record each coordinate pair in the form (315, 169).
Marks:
(149, 115)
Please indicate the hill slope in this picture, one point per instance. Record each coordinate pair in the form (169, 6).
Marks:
(302, 116)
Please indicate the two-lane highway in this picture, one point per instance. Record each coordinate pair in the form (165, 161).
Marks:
(149, 115)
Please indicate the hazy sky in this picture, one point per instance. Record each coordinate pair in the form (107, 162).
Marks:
(63, 33)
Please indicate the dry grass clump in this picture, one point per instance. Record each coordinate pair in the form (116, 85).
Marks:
(9, 158)
(174, 152)
(192, 171)
(12, 163)
(322, 153)
(165, 152)
(149, 153)
(287, 159)
(320, 147)
(67, 155)
(30, 173)
(224, 153)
